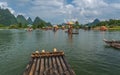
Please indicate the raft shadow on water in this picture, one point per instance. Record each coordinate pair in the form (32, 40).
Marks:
(107, 46)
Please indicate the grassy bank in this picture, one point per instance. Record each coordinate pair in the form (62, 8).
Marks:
(4, 27)
(114, 28)
(108, 27)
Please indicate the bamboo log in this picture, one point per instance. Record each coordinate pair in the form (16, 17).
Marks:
(46, 72)
(50, 66)
(59, 66)
(37, 67)
(42, 66)
(27, 70)
(33, 67)
(55, 66)
(68, 66)
(66, 72)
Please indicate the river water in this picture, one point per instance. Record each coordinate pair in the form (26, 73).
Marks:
(86, 53)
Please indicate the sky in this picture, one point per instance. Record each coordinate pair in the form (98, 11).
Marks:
(59, 11)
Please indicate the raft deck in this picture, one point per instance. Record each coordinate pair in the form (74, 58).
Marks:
(48, 63)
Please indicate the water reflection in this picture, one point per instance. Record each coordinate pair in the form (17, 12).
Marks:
(70, 38)
(38, 34)
(55, 35)
(103, 34)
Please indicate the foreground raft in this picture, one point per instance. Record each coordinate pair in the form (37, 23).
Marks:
(48, 63)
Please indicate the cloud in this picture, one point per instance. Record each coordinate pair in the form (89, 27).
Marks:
(116, 5)
(89, 7)
(58, 10)
(46, 8)
(84, 10)
(53, 9)
(90, 3)
(55, 3)
(4, 5)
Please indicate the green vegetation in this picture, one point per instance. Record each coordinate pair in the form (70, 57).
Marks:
(13, 27)
(111, 24)
(39, 23)
(6, 18)
(77, 25)
(21, 19)
(3, 26)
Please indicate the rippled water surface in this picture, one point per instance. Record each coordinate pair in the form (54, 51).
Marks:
(86, 53)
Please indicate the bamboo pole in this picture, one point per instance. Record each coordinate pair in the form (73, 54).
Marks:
(59, 65)
(68, 66)
(46, 72)
(42, 66)
(33, 67)
(50, 66)
(55, 66)
(64, 66)
(37, 67)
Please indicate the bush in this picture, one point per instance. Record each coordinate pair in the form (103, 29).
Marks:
(2, 25)
(13, 27)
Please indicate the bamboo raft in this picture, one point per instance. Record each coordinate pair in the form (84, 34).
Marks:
(48, 63)
(113, 43)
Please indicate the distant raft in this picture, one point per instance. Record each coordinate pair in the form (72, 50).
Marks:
(113, 43)
(48, 63)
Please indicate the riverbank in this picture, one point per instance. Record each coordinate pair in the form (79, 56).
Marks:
(114, 28)
(108, 28)
(95, 28)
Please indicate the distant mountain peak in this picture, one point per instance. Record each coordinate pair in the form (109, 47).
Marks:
(6, 17)
(29, 20)
(22, 19)
(94, 22)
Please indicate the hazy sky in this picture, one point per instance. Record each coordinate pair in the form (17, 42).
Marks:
(56, 11)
